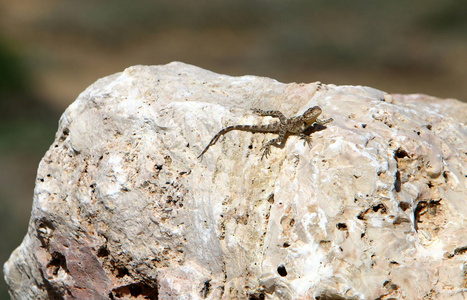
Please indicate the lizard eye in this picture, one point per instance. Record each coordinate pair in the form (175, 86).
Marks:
(312, 111)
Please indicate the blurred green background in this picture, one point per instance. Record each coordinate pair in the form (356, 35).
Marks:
(52, 50)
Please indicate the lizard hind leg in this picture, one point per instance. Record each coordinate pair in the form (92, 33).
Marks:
(266, 151)
(277, 142)
(270, 113)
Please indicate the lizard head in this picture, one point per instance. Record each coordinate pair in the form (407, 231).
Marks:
(311, 114)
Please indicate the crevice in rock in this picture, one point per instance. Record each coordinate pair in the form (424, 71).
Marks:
(418, 212)
(206, 290)
(257, 296)
(425, 210)
(446, 176)
(457, 251)
(44, 230)
(460, 250)
(379, 206)
(63, 136)
(52, 292)
(397, 182)
(103, 251)
(122, 272)
(398, 155)
(331, 296)
(57, 263)
(135, 291)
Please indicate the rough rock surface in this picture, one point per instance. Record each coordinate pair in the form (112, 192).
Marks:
(123, 209)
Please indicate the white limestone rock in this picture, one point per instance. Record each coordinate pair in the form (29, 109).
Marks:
(123, 209)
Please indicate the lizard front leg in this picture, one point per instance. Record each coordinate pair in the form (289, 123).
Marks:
(306, 139)
(322, 122)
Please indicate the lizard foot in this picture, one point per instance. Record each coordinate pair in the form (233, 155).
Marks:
(306, 139)
(266, 152)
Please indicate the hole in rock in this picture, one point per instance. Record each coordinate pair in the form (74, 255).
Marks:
(400, 153)
(271, 198)
(426, 211)
(361, 215)
(281, 270)
(446, 176)
(404, 205)
(102, 252)
(460, 250)
(329, 296)
(378, 207)
(341, 226)
(122, 272)
(206, 290)
(257, 296)
(44, 231)
(58, 262)
(137, 290)
(65, 134)
(397, 182)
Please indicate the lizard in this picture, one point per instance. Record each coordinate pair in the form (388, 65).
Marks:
(301, 125)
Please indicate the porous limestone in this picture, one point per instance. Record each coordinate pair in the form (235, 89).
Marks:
(123, 209)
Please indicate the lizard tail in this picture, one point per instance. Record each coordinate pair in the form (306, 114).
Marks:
(216, 137)
(251, 128)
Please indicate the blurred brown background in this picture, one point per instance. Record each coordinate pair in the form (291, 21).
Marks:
(52, 50)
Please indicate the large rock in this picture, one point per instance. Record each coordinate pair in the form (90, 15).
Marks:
(123, 209)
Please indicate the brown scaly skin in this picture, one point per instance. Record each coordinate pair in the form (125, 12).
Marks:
(297, 125)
